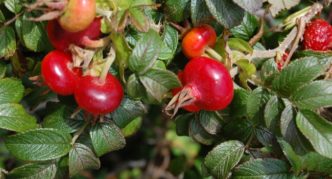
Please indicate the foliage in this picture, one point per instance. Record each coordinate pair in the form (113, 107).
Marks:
(277, 126)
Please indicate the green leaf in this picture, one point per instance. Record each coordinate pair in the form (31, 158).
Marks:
(299, 73)
(200, 13)
(131, 128)
(106, 137)
(256, 100)
(247, 69)
(182, 123)
(239, 128)
(32, 34)
(290, 132)
(317, 54)
(176, 10)
(262, 168)
(39, 144)
(13, 117)
(158, 82)
(294, 159)
(81, 158)
(210, 121)
(135, 89)
(223, 158)
(139, 19)
(171, 39)
(265, 136)
(226, 12)
(128, 111)
(240, 45)
(198, 133)
(317, 130)
(145, 52)
(251, 6)
(34, 171)
(11, 90)
(272, 113)
(314, 162)
(13, 5)
(247, 28)
(122, 51)
(2, 17)
(3, 69)
(314, 95)
(8, 42)
(60, 119)
(269, 71)
(239, 103)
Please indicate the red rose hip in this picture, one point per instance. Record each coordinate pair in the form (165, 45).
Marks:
(58, 73)
(98, 97)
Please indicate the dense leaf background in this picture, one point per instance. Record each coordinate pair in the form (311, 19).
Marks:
(279, 124)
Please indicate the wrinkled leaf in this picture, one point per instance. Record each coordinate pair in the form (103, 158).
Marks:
(8, 42)
(262, 168)
(317, 130)
(158, 82)
(299, 73)
(13, 117)
(251, 6)
(145, 52)
(39, 144)
(106, 137)
(81, 158)
(314, 95)
(226, 12)
(128, 111)
(34, 171)
(223, 158)
(11, 90)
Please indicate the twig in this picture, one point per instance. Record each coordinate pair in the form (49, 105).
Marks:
(259, 35)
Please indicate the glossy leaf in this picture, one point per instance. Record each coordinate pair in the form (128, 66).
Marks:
(34, 170)
(269, 71)
(226, 12)
(133, 127)
(211, 122)
(317, 130)
(8, 42)
(290, 132)
(13, 117)
(198, 133)
(199, 12)
(247, 28)
(299, 73)
(60, 119)
(39, 144)
(223, 158)
(81, 158)
(106, 137)
(158, 82)
(251, 6)
(128, 111)
(294, 159)
(182, 123)
(272, 113)
(11, 90)
(314, 95)
(262, 168)
(145, 52)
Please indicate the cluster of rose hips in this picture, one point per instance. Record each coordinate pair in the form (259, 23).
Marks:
(97, 95)
(207, 84)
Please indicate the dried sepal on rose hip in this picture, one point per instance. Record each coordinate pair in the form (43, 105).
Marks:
(99, 94)
(207, 86)
(318, 35)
